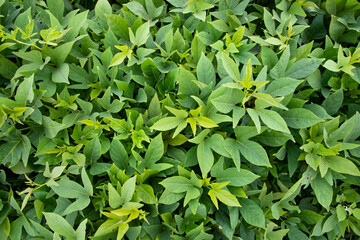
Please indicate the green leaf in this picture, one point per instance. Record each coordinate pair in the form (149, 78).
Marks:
(235, 177)
(227, 102)
(355, 133)
(200, 137)
(153, 11)
(273, 120)
(11, 151)
(56, 8)
(58, 54)
(273, 138)
(231, 147)
(186, 84)
(154, 107)
(80, 204)
(154, 153)
(300, 118)
(332, 66)
(246, 132)
(205, 122)
(216, 142)
(304, 50)
(150, 69)
(277, 235)
(177, 184)
(118, 154)
(279, 69)
(142, 34)
(344, 130)
(87, 183)
(255, 117)
(297, 10)
(61, 74)
(118, 59)
(92, 150)
(47, 234)
(311, 217)
(341, 212)
(224, 196)
(333, 102)
(205, 157)
(282, 86)
(51, 127)
(146, 193)
(269, 22)
(220, 25)
(167, 123)
(118, 25)
(323, 191)
(330, 224)
(197, 48)
(114, 197)
(296, 234)
(102, 9)
(75, 24)
(342, 165)
(252, 213)
(59, 225)
(81, 230)
(254, 153)
(123, 227)
(318, 110)
(7, 67)
(292, 192)
(127, 190)
(69, 189)
(179, 113)
(266, 98)
(303, 68)
(268, 57)
(33, 56)
(336, 29)
(238, 113)
(107, 227)
(138, 9)
(205, 70)
(25, 91)
(230, 67)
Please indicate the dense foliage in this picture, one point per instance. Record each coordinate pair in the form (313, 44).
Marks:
(176, 119)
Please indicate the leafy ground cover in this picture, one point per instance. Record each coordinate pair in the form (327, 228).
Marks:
(176, 119)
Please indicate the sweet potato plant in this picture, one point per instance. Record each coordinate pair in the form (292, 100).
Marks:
(179, 119)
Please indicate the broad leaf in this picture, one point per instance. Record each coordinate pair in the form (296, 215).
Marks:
(254, 153)
(59, 225)
(323, 191)
(303, 68)
(252, 213)
(205, 157)
(300, 118)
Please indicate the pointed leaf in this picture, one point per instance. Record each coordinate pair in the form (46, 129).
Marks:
(273, 120)
(205, 157)
(59, 225)
(254, 153)
(205, 70)
(224, 196)
(230, 67)
(252, 213)
(300, 118)
(323, 191)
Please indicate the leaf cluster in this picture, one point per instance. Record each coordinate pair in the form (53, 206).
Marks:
(176, 119)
